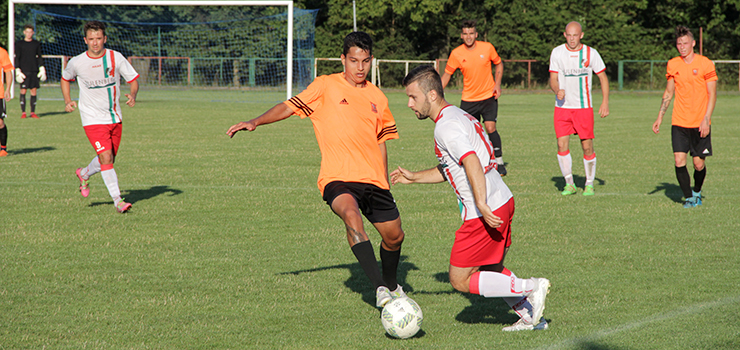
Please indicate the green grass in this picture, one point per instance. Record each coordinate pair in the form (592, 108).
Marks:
(229, 245)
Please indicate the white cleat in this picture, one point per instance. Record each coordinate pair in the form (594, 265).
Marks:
(398, 293)
(382, 296)
(538, 295)
(523, 326)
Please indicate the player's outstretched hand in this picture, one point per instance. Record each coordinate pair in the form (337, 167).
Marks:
(131, 100)
(70, 106)
(249, 126)
(401, 175)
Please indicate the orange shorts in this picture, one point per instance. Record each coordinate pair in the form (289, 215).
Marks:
(477, 244)
(104, 137)
(570, 121)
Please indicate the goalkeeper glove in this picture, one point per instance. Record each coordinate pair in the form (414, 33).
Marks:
(19, 76)
(42, 73)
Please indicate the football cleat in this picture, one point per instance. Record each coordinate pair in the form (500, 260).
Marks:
(697, 195)
(3, 153)
(23, 115)
(84, 187)
(538, 295)
(382, 296)
(569, 189)
(122, 206)
(524, 326)
(398, 293)
(691, 202)
(589, 190)
(34, 116)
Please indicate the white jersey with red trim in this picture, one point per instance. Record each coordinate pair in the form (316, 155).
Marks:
(100, 85)
(575, 74)
(457, 135)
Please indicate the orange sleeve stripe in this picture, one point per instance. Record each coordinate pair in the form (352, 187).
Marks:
(295, 101)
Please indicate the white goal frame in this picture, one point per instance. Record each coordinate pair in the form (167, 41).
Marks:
(288, 3)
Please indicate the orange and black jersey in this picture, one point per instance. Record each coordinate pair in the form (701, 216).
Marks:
(350, 123)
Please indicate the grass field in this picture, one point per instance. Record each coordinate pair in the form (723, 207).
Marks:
(229, 245)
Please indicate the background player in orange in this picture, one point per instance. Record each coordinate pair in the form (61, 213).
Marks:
(352, 122)
(694, 80)
(480, 90)
(7, 67)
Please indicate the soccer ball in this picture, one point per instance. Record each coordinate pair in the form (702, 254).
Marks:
(402, 318)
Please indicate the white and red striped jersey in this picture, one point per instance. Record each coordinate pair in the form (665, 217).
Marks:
(457, 135)
(100, 85)
(575, 74)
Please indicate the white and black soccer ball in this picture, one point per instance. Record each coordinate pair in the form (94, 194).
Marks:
(402, 318)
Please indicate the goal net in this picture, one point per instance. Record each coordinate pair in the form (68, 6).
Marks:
(202, 47)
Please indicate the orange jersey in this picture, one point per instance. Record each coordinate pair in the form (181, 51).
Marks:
(691, 89)
(350, 123)
(7, 67)
(475, 66)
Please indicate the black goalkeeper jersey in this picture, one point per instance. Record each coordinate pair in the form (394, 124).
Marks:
(28, 56)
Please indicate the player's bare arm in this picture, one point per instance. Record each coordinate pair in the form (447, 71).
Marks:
(604, 81)
(670, 88)
(8, 83)
(445, 79)
(477, 179)
(705, 127)
(277, 113)
(555, 86)
(134, 90)
(69, 105)
(428, 176)
(498, 75)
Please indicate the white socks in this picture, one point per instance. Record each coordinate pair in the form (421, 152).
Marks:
(590, 165)
(511, 288)
(91, 169)
(566, 167)
(111, 181)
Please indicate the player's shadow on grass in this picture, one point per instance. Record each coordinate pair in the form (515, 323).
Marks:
(481, 309)
(358, 281)
(672, 191)
(49, 114)
(580, 182)
(31, 150)
(133, 196)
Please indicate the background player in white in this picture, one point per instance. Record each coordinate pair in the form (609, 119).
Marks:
(98, 72)
(571, 68)
(466, 161)
(29, 68)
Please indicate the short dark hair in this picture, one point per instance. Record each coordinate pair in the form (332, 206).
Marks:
(28, 26)
(361, 40)
(428, 79)
(682, 31)
(468, 23)
(94, 25)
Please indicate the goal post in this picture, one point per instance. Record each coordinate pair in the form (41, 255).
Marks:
(289, 42)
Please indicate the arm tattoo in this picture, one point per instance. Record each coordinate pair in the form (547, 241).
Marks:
(664, 104)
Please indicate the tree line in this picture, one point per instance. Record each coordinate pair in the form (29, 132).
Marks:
(522, 29)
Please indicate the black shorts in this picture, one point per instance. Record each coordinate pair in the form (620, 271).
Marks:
(374, 202)
(31, 81)
(488, 109)
(689, 139)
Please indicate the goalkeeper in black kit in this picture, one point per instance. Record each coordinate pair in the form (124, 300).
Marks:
(29, 68)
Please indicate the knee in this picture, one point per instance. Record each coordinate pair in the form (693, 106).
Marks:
(460, 284)
(394, 239)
